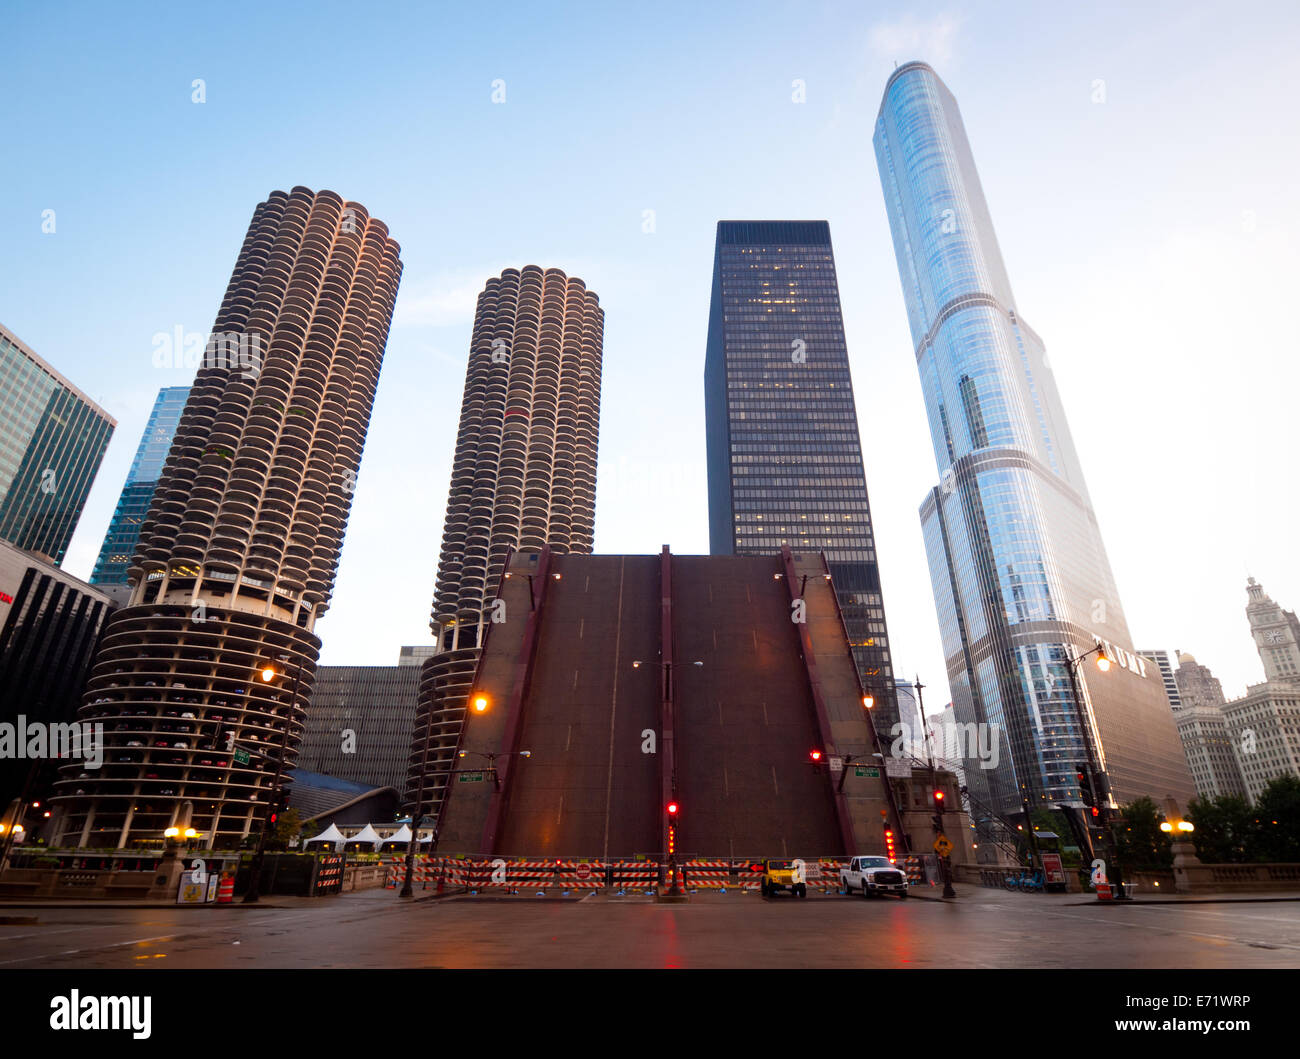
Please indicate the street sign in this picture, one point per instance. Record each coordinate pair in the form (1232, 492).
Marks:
(241, 756)
(942, 846)
(583, 872)
(870, 771)
(470, 777)
(896, 769)
(837, 764)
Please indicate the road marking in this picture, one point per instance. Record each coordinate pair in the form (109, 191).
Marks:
(97, 948)
(47, 933)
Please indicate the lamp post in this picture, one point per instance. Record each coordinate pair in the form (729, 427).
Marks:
(417, 812)
(1102, 797)
(268, 674)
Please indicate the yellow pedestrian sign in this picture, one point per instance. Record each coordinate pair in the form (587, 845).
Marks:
(942, 846)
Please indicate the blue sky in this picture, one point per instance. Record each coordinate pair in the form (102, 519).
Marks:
(1151, 240)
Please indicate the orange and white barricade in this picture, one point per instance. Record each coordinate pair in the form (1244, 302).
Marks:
(580, 874)
(635, 874)
(707, 874)
(530, 874)
(829, 880)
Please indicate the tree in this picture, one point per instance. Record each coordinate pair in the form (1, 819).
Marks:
(1142, 845)
(1225, 829)
(1276, 838)
(286, 828)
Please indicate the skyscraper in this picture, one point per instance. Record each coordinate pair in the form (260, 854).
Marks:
(1161, 659)
(237, 556)
(1021, 580)
(1197, 686)
(784, 456)
(52, 439)
(523, 476)
(1276, 633)
(133, 505)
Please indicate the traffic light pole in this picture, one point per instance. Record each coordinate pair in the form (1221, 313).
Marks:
(259, 855)
(945, 867)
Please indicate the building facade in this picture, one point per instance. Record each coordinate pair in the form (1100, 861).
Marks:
(1166, 667)
(1265, 723)
(1020, 576)
(49, 624)
(1211, 751)
(784, 454)
(123, 534)
(238, 553)
(52, 439)
(359, 724)
(1276, 633)
(523, 477)
(1197, 686)
(1264, 726)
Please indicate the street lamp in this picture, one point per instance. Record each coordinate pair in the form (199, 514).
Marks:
(268, 674)
(417, 812)
(1094, 766)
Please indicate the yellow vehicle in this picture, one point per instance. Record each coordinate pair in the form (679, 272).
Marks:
(781, 875)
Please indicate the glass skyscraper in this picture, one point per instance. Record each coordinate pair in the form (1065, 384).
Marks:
(784, 457)
(1020, 577)
(52, 439)
(133, 505)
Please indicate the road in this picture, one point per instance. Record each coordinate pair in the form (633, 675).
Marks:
(371, 929)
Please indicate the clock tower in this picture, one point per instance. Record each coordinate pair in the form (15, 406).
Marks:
(1277, 635)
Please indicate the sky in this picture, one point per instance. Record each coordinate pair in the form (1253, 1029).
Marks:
(1140, 163)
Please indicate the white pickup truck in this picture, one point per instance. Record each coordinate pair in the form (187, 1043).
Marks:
(872, 875)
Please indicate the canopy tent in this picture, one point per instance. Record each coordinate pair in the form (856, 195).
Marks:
(331, 834)
(401, 837)
(366, 836)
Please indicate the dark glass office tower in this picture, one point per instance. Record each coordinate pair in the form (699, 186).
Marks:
(52, 439)
(785, 460)
(137, 494)
(1021, 580)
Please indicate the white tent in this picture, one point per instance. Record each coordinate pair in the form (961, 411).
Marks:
(367, 835)
(401, 837)
(331, 834)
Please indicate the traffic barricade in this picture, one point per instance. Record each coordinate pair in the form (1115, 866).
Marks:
(635, 874)
(828, 870)
(707, 874)
(579, 874)
(531, 874)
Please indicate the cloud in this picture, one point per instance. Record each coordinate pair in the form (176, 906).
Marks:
(908, 37)
(448, 298)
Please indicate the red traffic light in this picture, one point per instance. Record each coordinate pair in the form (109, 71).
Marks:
(938, 796)
(816, 755)
(1095, 811)
(672, 808)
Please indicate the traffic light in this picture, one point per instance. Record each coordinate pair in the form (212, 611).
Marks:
(674, 817)
(277, 806)
(889, 844)
(1083, 777)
